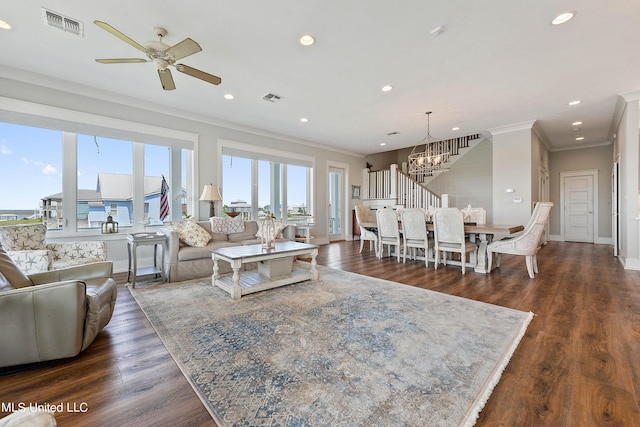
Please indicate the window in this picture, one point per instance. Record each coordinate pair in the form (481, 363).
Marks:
(76, 180)
(105, 181)
(258, 184)
(31, 173)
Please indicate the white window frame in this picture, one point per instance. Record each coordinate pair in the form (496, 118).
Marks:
(256, 152)
(38, 115)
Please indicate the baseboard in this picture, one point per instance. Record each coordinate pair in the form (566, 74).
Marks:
(597, 240)
(630, 263)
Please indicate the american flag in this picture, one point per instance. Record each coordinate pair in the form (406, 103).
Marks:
(164, 201)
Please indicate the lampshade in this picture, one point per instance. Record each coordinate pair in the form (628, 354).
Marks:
(210, 193)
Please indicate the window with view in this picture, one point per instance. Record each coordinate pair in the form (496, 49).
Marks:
(258, 187)
(30, 174)
(110, 176)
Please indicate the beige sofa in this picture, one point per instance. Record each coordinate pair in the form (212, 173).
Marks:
(53, 314)
(183, 262)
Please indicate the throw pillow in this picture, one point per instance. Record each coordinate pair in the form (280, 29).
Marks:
(11, 272)
(192, 234)
(23, 237)
(279, 227)
(226, 225)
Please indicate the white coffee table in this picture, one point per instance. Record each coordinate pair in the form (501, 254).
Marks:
(273, 268)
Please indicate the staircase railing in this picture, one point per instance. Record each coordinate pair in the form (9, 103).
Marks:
(394, 187)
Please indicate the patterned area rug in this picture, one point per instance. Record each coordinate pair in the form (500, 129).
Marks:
(346, 350)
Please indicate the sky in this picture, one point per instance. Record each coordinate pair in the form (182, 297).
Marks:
(31, 167)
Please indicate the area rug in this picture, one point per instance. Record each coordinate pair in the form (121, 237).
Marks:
(345, 350)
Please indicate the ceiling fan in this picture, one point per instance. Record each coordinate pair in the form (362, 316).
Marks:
(162, 55)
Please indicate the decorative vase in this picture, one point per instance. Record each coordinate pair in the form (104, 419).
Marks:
(268, 233)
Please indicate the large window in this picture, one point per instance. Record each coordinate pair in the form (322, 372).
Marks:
(257, 185)
(105, 181)
(30, 171)
(76, 180)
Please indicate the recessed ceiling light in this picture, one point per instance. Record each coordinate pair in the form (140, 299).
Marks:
(576, 102)
(4, 25)
(228, 96)
(307, 40)
(576, 123)
(455, 128)
(579, 138)
(387, 88)
(437, 30)
(563, 17)
(383, 143)
(304, 119)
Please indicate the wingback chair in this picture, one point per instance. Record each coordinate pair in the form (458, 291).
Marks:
(526, 243)
(364, 215)
(26, 246)
(53, 314)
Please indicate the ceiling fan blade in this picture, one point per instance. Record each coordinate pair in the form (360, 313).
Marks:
(121, 60)
(108, 28)
(210, 78)
(185, 48)
(166, 79)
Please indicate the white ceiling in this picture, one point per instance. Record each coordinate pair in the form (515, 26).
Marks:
(498, 63)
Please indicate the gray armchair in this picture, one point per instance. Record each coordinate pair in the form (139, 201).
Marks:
(53, 314)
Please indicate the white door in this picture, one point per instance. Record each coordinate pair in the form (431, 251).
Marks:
(578, 208)
(336, 203)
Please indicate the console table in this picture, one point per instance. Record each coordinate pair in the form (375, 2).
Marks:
(136, 240)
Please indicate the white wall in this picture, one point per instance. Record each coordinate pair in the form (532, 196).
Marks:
(589, 158)
(512, 160)
(626, 147)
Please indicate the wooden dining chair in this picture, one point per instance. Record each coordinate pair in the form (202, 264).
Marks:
(448, 226)
(364, 215)
(415, 235)
(388, 231)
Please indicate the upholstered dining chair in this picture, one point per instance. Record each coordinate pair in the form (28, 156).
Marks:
(448, 226)
(388, 231)
(364, 215)
(477, 215)
(414, 233)
(526, 243)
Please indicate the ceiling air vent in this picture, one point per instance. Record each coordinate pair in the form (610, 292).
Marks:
(61, 22)
(272, 97)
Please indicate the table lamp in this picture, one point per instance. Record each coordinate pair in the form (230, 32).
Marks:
(211, 194)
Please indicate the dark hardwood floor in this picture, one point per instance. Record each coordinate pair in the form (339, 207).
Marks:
(577, 365)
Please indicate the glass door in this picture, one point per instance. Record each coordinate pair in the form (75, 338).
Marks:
(336, 203)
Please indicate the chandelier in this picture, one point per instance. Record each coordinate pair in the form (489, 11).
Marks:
(434, 158)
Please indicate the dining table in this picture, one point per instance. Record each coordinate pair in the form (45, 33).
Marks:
(482, 234)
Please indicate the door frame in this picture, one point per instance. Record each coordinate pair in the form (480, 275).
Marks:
(594, 174)
(345, 198)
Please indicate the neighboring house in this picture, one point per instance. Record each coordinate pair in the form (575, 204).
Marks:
(113, 196)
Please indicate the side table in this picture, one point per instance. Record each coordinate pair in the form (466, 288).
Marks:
(145, 239)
